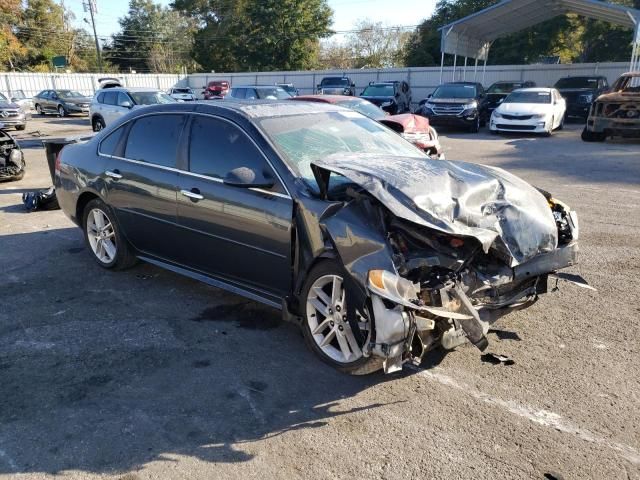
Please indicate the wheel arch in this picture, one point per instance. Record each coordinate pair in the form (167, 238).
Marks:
(83, 200)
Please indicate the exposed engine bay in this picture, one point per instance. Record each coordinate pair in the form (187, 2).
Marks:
(438, 274)
(12, 164)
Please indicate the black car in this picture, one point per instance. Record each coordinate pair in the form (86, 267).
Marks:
(61, 102)
(580, 92)
(456, 104)
(392, 97)
(336, 86)
(498, 91)
(321, 212)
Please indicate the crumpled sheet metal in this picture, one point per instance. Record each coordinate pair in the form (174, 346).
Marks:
(459, 198)
(409, 122)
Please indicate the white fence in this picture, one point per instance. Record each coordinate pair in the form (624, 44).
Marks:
(423, 80)
(87, 83)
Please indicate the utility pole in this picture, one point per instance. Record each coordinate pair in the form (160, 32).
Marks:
(91, 6)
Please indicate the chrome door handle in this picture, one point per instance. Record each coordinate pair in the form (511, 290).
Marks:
(115, 175)
(192, 195)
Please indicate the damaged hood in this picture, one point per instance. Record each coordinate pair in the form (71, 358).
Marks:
(459, 198)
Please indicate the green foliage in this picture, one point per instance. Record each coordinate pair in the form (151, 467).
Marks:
(246, 35)
(570, 37)
(152, 39)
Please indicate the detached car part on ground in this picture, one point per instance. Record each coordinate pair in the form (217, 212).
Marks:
(12, 164)
(380, 253)
(616, 113)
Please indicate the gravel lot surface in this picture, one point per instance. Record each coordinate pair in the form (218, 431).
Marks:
(145, 374)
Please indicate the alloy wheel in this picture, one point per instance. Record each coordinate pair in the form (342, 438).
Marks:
(61, 111)
(39, 110)
(101, 236)
(326, 316)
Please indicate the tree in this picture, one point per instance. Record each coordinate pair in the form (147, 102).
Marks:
(152, 38)
(44, 33)
(570, 37)
(11, 49)
(375, 46)
(335, 55)
(257, 34)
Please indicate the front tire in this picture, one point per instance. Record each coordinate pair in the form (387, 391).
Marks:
(325, 327)
(589, 136)
(475, 128)
(39, 110)
(104, 237)
(61, 111)
(20, 127)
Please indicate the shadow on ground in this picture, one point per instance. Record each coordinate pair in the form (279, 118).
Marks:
(103, 371)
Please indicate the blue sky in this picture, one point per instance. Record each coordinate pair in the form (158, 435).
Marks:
(346, 12)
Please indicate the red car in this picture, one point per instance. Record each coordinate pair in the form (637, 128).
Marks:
(216, 89)
(413, 128)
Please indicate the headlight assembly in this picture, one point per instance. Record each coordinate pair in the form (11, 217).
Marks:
(497, 115)
(393, 287)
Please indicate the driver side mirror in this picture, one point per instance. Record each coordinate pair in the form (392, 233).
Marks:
(245, 177)
(126, 104)
(353, 84)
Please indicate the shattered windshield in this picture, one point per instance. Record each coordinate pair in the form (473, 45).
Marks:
(528, 97)
(304, 139)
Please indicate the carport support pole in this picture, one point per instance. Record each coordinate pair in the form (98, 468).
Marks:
(455, 61)
(484, 70)
(475, 71)
(464, 75)
(441, 67)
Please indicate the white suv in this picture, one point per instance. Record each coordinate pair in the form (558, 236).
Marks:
(109, 104)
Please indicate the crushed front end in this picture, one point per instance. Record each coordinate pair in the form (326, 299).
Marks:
(480, 244)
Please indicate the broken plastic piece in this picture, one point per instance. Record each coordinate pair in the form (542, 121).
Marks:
(496, 359)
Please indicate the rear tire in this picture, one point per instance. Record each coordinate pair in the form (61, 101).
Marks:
(20, 127)
(61, 111)
(97, 124)
(104, 238)
(328, 334)
(39, 110)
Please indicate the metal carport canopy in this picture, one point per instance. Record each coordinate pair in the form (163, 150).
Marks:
(472, 36)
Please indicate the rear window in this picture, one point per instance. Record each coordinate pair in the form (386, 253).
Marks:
(154, 139)
(337, 81)
(379, 91)
(577, 82)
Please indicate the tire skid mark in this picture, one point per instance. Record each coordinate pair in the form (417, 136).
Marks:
(538, 416)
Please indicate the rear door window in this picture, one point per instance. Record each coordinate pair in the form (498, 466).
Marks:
(239, 92)
(155, 138)
(100, 97)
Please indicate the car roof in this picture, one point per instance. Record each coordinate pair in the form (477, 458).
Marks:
(462, 83)
(256, 86)
(536, 89)
(131, 89)
(332, 99)
(583, 76)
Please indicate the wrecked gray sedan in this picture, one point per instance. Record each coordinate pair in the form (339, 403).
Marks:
(380, 253)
